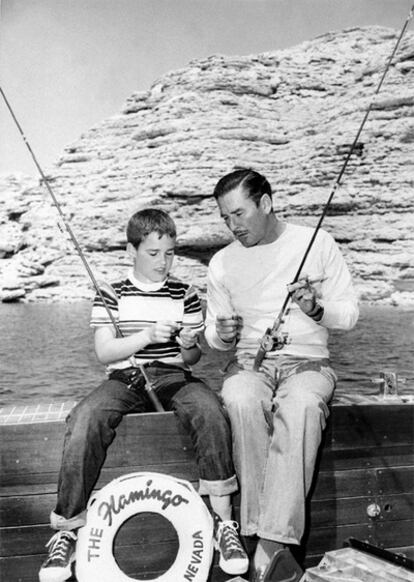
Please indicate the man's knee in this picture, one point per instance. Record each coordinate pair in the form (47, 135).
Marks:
(240, 393)
(300, 403)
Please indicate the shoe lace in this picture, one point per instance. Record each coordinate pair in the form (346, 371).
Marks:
(228, 532)
(60, 544)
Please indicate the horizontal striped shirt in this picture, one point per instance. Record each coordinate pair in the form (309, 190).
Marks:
(135, 307)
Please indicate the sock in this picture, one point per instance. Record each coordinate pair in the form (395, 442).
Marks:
(221, 504)
(264, 551)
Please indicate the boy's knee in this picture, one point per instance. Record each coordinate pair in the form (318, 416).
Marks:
(197, 400)
(85, 417)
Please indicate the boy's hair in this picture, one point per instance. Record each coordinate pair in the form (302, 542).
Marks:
(253, 183)
(143, 222)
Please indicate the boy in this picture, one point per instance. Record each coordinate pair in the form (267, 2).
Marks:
(160, 319)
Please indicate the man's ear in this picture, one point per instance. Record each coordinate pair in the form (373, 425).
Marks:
(266, 203)
(131, 250)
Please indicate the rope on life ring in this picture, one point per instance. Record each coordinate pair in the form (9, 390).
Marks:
(174, 499)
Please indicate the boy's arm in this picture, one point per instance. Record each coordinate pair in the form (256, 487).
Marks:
(193, 325)
(110, 348)
(190, 348)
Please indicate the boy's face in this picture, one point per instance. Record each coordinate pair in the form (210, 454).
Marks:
(153, 257)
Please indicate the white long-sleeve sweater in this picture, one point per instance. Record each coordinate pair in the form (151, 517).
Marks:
(252, 282)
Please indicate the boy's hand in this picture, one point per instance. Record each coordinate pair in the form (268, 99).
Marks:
(304, 294)
(187, 338)
(160, 332)
(228, 327)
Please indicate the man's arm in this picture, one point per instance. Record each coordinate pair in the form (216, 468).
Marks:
(221, 324)
(339, 299)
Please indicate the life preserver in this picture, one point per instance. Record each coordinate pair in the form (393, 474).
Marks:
(174, 499)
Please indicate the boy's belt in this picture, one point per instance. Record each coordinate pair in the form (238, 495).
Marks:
(128, 375)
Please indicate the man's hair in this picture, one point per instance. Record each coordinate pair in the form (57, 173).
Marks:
(253, 183)
(143, 222)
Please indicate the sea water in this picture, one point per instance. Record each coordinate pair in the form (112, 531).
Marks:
(46, 352)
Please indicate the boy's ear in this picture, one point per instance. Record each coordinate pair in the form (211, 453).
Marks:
(131, 250)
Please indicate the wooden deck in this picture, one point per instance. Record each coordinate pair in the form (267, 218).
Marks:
(367, 458)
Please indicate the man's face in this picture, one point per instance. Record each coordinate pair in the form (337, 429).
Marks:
(246, 221)
(153, 257)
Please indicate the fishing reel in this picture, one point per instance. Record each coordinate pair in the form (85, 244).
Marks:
(272, 341)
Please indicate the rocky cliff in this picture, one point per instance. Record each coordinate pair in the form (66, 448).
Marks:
(291, 114)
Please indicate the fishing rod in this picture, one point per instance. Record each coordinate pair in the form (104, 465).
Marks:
(148, 386)
(272, 338)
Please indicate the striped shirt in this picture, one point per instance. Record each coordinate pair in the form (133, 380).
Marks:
(138, 306)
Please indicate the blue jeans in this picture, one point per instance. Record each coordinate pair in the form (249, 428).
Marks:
(91, 428)
(277, 417)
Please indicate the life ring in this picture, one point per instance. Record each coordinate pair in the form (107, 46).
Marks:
(174, 499)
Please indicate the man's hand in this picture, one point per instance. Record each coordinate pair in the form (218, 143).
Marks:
(304, 294)
(160, 332)
(228, 327)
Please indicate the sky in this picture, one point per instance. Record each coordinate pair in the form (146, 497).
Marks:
(65, 65)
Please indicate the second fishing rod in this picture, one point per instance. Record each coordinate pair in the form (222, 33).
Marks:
(273, 339)
(98, 287)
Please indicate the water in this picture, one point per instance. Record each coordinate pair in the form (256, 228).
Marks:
(46, 352)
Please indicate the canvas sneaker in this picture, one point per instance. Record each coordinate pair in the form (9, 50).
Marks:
(233, 558)
(57, 566)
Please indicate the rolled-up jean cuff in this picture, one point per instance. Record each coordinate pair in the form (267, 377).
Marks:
(219, 488)
(62, 523)
(282, 539)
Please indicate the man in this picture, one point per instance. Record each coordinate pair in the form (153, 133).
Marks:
(278, 412)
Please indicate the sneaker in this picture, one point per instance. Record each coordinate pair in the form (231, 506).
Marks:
(233, 558)
(57, 566)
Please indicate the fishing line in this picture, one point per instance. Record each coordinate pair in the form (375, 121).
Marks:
(272, 339)
(151, 393)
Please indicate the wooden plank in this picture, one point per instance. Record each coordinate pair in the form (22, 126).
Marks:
(396, 507)
(33, 484)
(357, 482)
(370, 425)
(26, 568)
(395, 533)
(39, 458)
(353, 510)
(32, 504)
(153, 431)
(351, 483)
(136, 443)
(393, 480)
(16, 541)
(324, 539)
(356, 457)
(338, 460)
(21, 569)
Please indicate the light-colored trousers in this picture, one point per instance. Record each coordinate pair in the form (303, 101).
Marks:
(276, 436)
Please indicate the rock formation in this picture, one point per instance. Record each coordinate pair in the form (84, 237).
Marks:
(291, 114)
